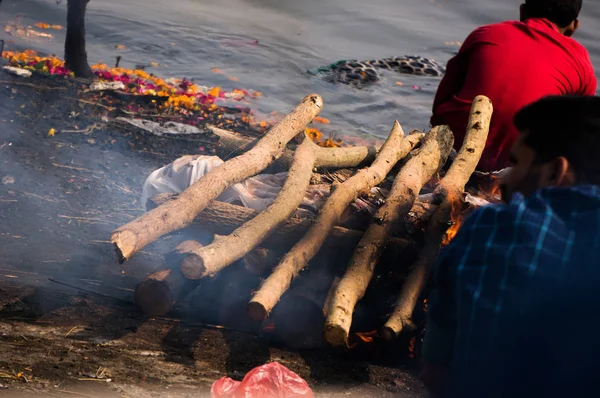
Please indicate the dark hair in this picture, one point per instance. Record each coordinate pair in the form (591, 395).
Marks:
(566, 125)
(561, 12)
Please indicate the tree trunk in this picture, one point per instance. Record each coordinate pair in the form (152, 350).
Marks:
(75, 53)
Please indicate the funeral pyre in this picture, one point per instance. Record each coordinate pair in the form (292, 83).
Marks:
(345, 221)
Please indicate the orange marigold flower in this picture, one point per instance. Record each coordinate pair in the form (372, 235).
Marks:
(314, 134)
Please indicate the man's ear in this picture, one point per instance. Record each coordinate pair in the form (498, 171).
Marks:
(558, 173)
(573, 26)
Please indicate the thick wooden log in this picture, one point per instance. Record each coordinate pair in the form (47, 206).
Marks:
(260, 260)
(225, 250)
(232, 144)
(329, 158)
(224, 218)
(296, 259)
(407, 185)
(448, 194)
(158, 292)
(180, 213)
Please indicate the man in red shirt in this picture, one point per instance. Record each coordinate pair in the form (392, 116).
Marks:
(514, 64)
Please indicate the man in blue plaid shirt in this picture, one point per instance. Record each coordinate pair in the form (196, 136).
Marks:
(509, 262)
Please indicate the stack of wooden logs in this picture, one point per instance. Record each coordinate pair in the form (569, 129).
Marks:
(243, 234)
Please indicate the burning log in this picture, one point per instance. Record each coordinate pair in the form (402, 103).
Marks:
(180, 213)
(158, 292)
(394, 149)
(408, 183)
(447, 194)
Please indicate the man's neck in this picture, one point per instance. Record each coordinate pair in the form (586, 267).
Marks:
(566, 31)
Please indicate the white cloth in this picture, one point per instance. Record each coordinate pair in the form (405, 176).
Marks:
(256, 192)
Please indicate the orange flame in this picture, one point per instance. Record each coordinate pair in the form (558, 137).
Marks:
(495, 193)
(360, 338)
(489, 191)
(457, 217)
(268, 326)
(411, 348)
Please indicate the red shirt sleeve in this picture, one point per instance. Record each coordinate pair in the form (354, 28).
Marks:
(456, 70)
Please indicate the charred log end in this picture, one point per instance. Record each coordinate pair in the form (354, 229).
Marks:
(298, 322)
(335, 335)
(120, 257)
(154, 297)
(258, 261)
(124, 243)
(257, 311)
(192, 266)
(388, 334)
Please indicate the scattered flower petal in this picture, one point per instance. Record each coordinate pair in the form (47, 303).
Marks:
(320, 119)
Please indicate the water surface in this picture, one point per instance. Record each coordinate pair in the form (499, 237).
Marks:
(269, 44)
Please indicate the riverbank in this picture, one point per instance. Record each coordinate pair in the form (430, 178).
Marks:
(69, 177)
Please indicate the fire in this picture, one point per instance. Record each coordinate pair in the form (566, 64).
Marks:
(268, 326)
(489, 188)
(411, 348)
(495, 193)
(490, 191)
(360, 338)
(457, 216)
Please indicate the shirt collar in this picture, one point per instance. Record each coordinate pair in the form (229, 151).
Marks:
(542, 23)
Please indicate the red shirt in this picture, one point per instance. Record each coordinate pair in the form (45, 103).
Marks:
(514, 64)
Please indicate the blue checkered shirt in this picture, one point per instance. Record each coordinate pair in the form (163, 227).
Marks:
(505, 259)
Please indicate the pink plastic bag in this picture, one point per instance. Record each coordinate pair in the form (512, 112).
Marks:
(272, 380)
